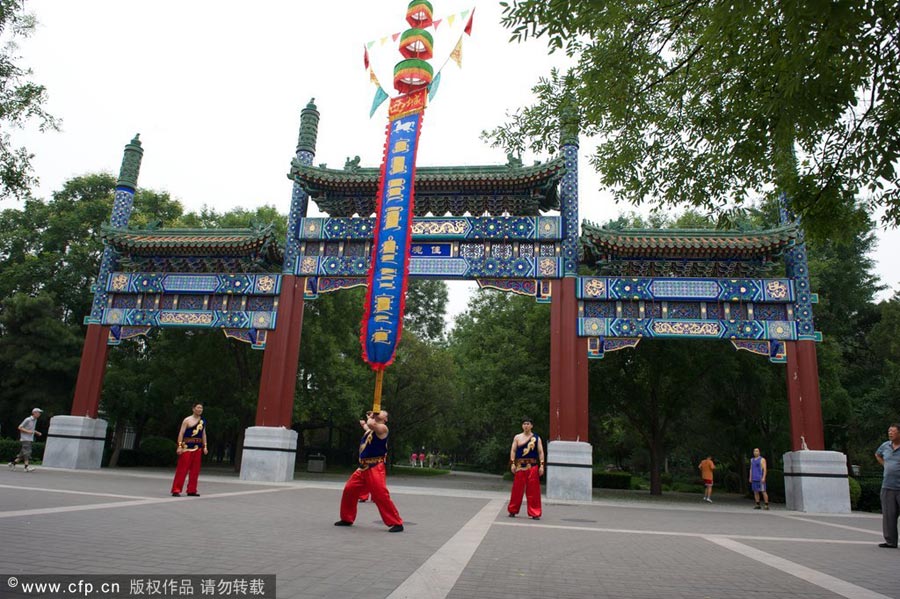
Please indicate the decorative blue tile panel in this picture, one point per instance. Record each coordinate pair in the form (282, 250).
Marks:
(431, 250)
(736, 290)
(238, 284)
(684, 310)
(438, 228)
(684, 288)
(190, 318)
(453, 267)
(687, 329)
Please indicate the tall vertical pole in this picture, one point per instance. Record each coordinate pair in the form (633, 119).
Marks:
(86, 401)
(280, 360)
(803, 371)
(568, 352)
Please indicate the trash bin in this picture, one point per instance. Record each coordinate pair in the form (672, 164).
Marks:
(315, 463)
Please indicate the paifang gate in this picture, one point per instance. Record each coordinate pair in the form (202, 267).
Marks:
(525, 239)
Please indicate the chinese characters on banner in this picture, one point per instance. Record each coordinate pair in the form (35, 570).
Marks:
(389, 267)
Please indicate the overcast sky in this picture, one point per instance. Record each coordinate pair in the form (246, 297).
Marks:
(215, 89)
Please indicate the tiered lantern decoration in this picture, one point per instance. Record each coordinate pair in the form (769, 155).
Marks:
(416, 46)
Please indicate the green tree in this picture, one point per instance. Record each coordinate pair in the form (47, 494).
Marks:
(21, 101)
(502, 346)
(426, 306)
(54, 247)
(707, 103)
(39, 358)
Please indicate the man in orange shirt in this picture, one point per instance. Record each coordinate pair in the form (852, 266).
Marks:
(706, 473)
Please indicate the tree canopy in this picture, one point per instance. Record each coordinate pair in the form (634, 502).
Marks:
(21, 101)
(708, 103)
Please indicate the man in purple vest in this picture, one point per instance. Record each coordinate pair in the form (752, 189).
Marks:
(371, 475)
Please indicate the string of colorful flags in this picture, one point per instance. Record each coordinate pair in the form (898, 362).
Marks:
(381, 95)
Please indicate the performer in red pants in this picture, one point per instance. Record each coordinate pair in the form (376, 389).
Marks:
(526, 461)
(191, 441)
(370, 476)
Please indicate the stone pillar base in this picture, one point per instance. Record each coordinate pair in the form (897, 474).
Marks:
(75, 442)
(269, 454)
(569, 470)
(816, 481)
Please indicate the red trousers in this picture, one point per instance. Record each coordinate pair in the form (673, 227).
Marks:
(371, 480)
(529, 482)
(188, 463)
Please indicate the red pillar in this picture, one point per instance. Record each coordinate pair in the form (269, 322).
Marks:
(280, 360)
(803, 395)
(568, 367)
(90, 374)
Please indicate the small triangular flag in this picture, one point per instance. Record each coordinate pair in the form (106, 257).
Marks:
(373, 78)
(378, 100)
(436, 23)
(432, 89)
(370, 44)
(456, 54)
(394, 36)
(366, 57)
(450, 19)
(468, 29)
(383, 40)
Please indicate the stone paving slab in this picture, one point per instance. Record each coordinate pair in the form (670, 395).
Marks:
(458, 540)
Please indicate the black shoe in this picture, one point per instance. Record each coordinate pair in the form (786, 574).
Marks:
(343, 523)
(194, 494)
(887, 545)
(396, 528)
(176, 494)
(535, 517)
(757, 507)
(511, 515)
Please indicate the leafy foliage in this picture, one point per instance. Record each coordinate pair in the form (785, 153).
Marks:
(709, 103)
(21, 101)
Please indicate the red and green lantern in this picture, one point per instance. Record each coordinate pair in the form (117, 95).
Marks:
(411, 75)
(416, 43)
(419, 14)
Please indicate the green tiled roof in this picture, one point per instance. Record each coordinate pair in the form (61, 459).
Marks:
(598, 244)
(512, 189)
(254, 243)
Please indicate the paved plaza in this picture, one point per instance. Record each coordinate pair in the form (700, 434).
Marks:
(458, 543)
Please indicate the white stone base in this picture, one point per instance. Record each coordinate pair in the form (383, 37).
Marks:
(569, 470)
(269, 454)
(75, 442)
(816, 481)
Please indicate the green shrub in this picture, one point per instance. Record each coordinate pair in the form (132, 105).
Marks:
(9, 449)
(869, 494)
(775, 485)
(612, 480)
(665, 479)
(855, 492)
(688, 487)
(157, 451)
(732, 482)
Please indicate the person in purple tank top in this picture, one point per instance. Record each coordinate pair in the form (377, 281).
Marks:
(758, 478)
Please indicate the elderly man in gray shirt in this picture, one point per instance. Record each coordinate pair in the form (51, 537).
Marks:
(26, 437)
(888, 455)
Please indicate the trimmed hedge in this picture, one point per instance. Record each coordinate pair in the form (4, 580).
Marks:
(158, 451)
(775, 485)
(855, 492)
(9, 449)
(869, 495)
(612, 480)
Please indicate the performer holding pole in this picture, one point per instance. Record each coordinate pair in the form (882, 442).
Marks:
(370, 477)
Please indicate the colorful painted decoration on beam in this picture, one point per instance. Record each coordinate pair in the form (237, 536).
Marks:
(389, 266)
